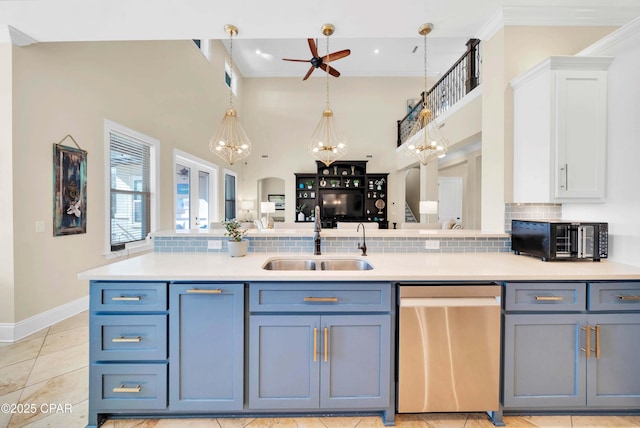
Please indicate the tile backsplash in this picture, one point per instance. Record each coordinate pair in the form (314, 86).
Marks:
(530, 212)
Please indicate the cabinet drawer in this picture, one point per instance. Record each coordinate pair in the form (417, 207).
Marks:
(128, 296)
(320, 297)
(614, 296)
(128, 337)
(129, 386)
(545, 296)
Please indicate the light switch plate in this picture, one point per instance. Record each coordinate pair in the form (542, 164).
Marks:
(214, 245)
(432, 244)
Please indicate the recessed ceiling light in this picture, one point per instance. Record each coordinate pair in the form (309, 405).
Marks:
(376, 51)
(258, 51)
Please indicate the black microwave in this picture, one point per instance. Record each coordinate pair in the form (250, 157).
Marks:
(560, 240)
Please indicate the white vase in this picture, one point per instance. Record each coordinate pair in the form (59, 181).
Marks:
(238, 248)
(300, 216)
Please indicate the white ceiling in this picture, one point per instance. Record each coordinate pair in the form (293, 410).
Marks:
(279, 28)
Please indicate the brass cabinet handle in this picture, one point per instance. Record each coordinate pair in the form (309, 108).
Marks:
(315, 344)
(320, 299)
(549, 298)
(122, 388)
(205, 291)
(326, 344)
(597, 329)
(629, 297)
(587, 344)
(123, 339)
(126, 299)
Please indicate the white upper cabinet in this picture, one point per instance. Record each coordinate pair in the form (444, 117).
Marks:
(560, 131)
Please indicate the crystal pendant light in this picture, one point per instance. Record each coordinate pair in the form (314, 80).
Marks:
(326, 143)
(230, 142)
(425, 141)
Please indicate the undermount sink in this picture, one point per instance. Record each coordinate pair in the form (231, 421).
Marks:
(290, 264)
(345, 264)
(317, 264)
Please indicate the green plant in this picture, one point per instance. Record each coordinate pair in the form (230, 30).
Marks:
(234, 229)
(301, 208)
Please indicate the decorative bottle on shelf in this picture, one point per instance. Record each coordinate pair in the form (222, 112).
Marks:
(300, 216)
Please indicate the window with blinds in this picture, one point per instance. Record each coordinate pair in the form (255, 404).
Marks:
(130, 177)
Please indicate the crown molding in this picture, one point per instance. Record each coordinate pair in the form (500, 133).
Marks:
(623, 38)
(562, 16)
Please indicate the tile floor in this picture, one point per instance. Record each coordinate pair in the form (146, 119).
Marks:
(51, 367)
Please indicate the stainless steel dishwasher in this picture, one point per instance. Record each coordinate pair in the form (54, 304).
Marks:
(449, 347)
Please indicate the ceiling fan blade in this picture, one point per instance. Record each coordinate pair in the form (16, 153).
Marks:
(332, 71)
(295, 60)
(336, 55)
(313, 48)
(306, 76)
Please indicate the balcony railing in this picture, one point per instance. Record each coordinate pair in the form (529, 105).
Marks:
(461, 79)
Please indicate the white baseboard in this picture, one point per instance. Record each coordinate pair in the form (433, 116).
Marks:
(11, 332)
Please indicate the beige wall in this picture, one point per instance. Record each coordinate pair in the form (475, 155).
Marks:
(166, 90)
(6, 188)
(510, 52)
(286, 111)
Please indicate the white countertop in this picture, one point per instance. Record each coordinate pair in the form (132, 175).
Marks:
(387, 267)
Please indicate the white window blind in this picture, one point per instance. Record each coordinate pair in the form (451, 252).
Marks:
(130, 164)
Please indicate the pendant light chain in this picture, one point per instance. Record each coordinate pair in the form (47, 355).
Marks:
(328, 68)
(424, 102)
(231, 69)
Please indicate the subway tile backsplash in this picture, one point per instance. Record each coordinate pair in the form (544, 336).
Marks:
(530, 212)
(305, 245)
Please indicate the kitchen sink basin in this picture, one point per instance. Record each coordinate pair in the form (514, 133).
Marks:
(317, 264)
(345, 264)
(290, 264)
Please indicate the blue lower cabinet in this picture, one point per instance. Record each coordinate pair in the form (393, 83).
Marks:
(129, 386)
(319, 362)
(206, 330)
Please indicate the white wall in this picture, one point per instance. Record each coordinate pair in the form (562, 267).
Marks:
(622, 206)
(6, 187)
(166, 90)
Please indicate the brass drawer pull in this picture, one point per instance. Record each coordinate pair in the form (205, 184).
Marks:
(315, 344)
(320, 299)
(326, 344)
(587, 348)
(597, 329)
(123, 339)
(629, 298)
(122, 388)
(201, 291)
(126, 299)
(549, 298)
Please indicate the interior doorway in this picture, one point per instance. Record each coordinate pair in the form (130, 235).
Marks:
(450, 199)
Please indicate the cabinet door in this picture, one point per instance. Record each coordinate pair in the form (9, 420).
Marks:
(284, 361)
(206, 336)
(543, 364)
(581, 135)
(355, 369)
(613, 369)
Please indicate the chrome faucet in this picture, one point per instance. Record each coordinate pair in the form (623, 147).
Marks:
(316, 231)
(362, 246)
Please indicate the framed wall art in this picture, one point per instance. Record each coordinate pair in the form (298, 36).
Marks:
(69, 189)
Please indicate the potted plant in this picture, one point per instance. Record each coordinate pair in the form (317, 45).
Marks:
(237, 246)
(300, 211)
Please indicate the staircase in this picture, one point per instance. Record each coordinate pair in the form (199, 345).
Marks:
(408, 214)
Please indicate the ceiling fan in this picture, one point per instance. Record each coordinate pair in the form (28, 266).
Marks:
(322, 61)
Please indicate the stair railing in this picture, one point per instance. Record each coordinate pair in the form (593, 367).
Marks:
(458, 81)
